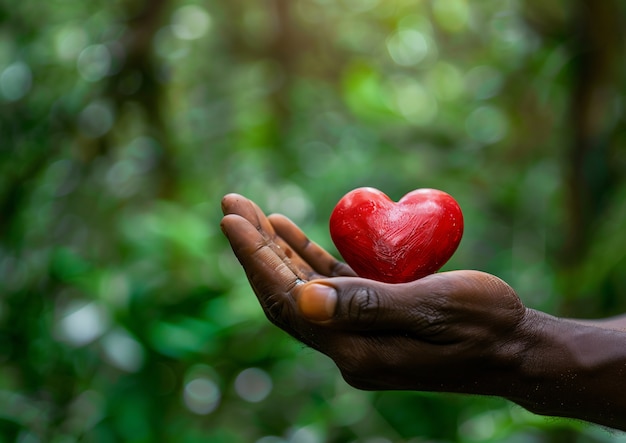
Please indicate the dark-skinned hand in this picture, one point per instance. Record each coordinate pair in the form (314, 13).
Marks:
(458, 331)
(436, 333)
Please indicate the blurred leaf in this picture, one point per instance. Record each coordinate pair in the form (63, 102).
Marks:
(124, 123)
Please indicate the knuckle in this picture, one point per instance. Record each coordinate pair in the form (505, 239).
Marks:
(363, 305)
(338, 269)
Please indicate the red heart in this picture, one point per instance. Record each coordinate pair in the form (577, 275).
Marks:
(396, 242)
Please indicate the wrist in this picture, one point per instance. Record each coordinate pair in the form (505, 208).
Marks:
(569, 369)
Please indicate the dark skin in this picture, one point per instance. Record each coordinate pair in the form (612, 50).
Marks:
(459, 331)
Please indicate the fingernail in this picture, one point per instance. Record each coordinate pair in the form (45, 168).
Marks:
(317, 302)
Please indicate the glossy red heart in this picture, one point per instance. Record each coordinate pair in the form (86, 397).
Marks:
(396, 242)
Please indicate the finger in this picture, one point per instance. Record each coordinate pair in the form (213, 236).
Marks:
(271, 279)
(230, 203)
(255, 254)
(313, 254)
(240, 205)
(360, 305)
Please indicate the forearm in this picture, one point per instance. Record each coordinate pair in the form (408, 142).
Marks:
(617, 323)
(575, 370)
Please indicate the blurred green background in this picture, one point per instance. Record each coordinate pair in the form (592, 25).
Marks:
(124, 315)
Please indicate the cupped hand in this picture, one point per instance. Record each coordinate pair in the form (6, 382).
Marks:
(453, 331)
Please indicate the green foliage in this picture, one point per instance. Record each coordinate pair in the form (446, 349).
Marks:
(124, 315)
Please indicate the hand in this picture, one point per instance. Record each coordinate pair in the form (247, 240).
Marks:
(452, 331)
(460, 331)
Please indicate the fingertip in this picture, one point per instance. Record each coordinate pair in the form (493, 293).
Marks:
(229, 200)
(227, 222)
(278, 218)
(317, 302)
(243, 237)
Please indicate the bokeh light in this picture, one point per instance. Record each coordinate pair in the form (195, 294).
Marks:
(190, 22)
(253, 384)
(487, 124)
(484, 82)
(124, 314)
(96, 119)
(414, 101)
(407, 47)
(123, 351)
(82, 323)
(201, 395)
(94, 62)
(201, 391)
(15, 81)
(69, 41)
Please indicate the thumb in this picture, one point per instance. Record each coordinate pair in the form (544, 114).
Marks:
(357, 303)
